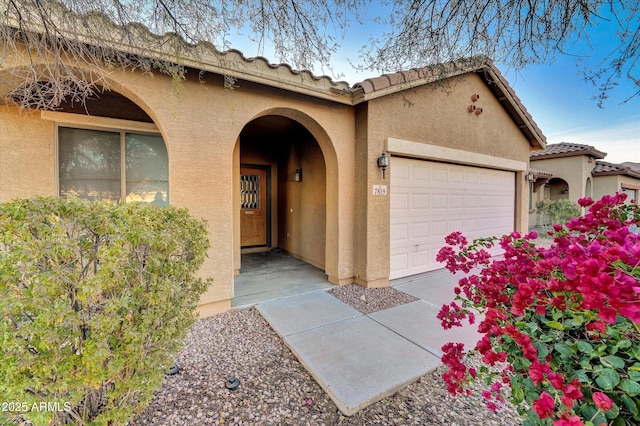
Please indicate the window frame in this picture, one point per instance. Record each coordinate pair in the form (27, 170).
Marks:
(105, 124)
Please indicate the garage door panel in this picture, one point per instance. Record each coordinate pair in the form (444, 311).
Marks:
(440, 201)
(420, 230)
(434, 199)
(420, 201)
(439, 227)
(400, 201)
(399, 261)
(471, 200)
(399, 232)
(420, 258)
(456, 176)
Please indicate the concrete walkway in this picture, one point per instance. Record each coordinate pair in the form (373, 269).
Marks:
(359, 359)
(273, 275)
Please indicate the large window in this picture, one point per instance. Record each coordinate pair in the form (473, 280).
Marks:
(112, 165)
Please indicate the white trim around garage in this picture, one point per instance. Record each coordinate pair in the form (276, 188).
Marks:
(450, 155)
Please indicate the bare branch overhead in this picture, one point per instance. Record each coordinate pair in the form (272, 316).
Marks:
(304, 33)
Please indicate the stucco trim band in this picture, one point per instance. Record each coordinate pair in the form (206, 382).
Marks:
(450, 155)
(625, 185)
(65, 118)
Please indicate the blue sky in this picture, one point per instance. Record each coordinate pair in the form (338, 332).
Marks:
(555, 94)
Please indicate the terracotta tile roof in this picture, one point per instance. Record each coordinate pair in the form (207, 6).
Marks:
(634, 166)
(137, 39)
(566, 149)
(606, 169)
(540, 173)
(481, 65)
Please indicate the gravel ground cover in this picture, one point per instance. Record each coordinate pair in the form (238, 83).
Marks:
(370, 300)
(275, 389)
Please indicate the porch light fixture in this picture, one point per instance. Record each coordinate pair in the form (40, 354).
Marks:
(383, 162)
(297, 175)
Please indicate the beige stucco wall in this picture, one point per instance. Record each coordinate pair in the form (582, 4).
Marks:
(27, 155)
(336, 222)
(609, 185)
(200, 124)
(302, 218)
(434, 115)
(574, 170)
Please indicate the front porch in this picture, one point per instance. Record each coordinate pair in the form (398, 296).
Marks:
(275, 274)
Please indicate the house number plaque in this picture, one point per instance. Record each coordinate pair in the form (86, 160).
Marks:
(379, 189)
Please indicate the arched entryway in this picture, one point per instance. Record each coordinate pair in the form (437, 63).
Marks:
(281, 208)
(558, 189)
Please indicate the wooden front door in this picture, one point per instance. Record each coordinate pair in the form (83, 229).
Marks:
(253, 207)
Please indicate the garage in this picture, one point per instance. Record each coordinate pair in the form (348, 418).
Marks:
(431, 199)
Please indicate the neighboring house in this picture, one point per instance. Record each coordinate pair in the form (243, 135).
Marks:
(611, 178)
(290, 160)
(573, 171)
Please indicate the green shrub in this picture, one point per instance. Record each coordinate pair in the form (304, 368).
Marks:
(556, 212)
(95, 300)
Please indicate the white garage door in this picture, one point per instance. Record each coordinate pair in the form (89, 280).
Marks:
(429, 200)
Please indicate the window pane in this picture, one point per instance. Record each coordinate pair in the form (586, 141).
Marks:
(250, 191)
(147, 169)
(89, 162)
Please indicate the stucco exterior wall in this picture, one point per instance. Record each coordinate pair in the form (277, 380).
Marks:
(302, 220)
(574, 170)
(331, 219)
(432, 115)
(27, 155)
(609, 185)
(200, 123)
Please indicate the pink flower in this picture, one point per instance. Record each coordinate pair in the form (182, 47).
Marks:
(492, 406)
(590, 267)
(585, 202)
(557, 381)
(537, 372)
(597, 326)
(602, 401)
(568, 421)
(573, 390)
(544, 406)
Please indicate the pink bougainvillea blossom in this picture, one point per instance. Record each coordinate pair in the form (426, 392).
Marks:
(544, 406)
(602, 401)
(544, 309)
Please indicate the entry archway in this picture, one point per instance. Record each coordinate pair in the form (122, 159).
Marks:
(558, 189)
(280, 192)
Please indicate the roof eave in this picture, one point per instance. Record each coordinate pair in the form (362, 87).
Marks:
(506, 96)
(205, 57)
(488, 72)
(630, 173)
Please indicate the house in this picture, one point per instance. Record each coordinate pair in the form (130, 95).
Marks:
(573, 171)
(290, 160)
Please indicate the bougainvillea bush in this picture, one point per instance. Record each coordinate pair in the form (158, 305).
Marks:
(562, 323)
(95, 299)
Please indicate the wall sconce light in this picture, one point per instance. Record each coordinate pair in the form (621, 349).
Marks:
(383, 162)
(529, 176)
(297, 175)
(565, 191)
